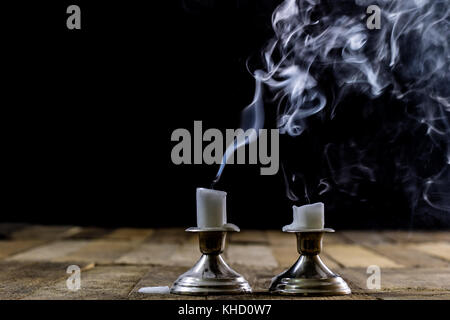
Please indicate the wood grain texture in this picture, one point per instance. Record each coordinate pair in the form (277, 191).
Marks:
(257, 256)
(116, 263)
(403, 280)
(366, 238)
(99, 251)
(358, 256)
(102, 282)
(21, 279)
(418, 236)
(435, 249)
(149, 253)
(45, 232)
(249, 237)
(50, 252)
(409, 256)
(186, 254)
(11, 247)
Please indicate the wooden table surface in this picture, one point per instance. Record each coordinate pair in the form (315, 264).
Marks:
(115, 263)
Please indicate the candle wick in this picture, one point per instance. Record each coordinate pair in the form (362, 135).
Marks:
(214, 182)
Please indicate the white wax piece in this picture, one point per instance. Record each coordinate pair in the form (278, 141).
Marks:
(310, 216)
(211, 208)
(155, 290)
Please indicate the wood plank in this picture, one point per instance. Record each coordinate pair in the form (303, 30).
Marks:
(409, 256)
(101, 282)
(257, 256)
(436, 249)
(413, 295)
(402, 279)
(278, 238)
(367, 237)
(357, 256)
(38, 232)
(149, 253)
(249, 237)
(170, 235)
(285, 256)
(160, 276)
(418, 236)
(19, 279)
(34, 259)
(11, 247)
(89, 233)
(129, 234)
(186, 254)
(335, 238)
(99, 251)
(49, 252)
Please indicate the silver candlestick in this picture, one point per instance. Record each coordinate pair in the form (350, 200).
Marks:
(211, 274)
(309, 275)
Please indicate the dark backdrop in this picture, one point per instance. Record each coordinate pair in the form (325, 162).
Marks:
(87, 119)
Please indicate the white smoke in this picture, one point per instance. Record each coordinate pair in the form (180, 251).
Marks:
(323, 52)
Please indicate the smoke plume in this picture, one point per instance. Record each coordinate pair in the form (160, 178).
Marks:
(323, 58)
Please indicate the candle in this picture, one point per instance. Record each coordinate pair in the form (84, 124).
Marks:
(155, 290)
(211, 208)
(310, 216)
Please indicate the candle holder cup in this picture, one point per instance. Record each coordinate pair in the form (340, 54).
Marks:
(211, 275)
(309, 276)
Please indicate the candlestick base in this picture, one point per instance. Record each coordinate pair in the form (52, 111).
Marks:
(309, 276)
(211, 275)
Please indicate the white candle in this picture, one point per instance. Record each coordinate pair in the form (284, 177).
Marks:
(155, 290)
(211, 208)
(310, 216)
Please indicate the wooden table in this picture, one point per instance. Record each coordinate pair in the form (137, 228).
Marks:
(115, 263)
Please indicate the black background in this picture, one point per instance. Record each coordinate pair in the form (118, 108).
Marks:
(88, 115)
